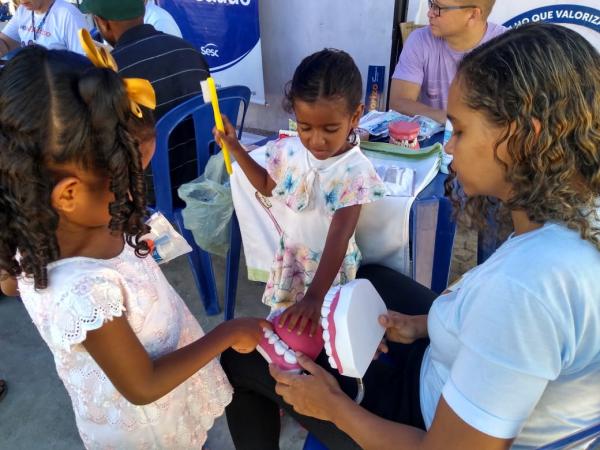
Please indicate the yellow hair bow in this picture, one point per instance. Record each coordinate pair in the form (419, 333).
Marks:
(139, 91)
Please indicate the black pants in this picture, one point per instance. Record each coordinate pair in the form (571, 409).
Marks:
(391, 384)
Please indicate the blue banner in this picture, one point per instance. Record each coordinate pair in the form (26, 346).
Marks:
(573, 14)
(375, 87)
(227, 33)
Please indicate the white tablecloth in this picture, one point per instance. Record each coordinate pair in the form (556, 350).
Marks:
(382, 233)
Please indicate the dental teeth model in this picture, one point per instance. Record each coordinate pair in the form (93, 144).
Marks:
(280, 346)
(351, 329)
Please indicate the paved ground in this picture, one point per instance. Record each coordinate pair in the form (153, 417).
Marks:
(37, 414)
(464, 253)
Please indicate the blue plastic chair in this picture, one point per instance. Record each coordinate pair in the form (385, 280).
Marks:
(312, 443)
(5, 14)
(232, 268)
(432, 231)
(95, 34)
(230, 100)
(487, 239)
(587, 438)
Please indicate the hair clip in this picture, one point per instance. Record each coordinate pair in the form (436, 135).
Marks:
(139, 91)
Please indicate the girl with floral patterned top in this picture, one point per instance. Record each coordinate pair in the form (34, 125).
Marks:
(138, 368)
(323, 178)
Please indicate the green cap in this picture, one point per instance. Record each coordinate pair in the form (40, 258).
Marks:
(114, 9)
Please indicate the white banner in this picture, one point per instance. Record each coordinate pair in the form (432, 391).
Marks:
(582, 16)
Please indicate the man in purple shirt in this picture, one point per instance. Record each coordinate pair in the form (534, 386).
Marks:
(431, 55)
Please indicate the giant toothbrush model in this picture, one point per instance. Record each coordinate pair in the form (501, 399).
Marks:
(209, 92)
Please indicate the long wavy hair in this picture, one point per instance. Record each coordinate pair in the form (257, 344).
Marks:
(56, 108)
(547, 74)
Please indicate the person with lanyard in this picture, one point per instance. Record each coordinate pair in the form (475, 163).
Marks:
(171, 64)
(50, 23)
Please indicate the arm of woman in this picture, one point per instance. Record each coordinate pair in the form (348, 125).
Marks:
(7, 44)
(340, 231)
(319, 395)
(510, 347)
(8, 285)
(404, 328)
(257, 175)
(141, 380)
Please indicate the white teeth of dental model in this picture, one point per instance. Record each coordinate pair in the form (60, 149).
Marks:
(324, 311)
(289, 357)
(280, 348)
(332, 363)
(328, 348)
(324, 323)
(326, 335)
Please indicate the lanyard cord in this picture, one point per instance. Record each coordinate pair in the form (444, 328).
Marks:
(39, 28)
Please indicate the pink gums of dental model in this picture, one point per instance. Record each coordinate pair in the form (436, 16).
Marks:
(280, 345)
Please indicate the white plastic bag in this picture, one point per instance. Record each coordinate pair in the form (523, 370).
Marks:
(166, 243)
(377, 123)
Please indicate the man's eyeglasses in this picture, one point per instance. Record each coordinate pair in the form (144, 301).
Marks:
(437, 9)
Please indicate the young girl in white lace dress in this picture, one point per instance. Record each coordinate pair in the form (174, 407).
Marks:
(139, 370)
(323, 178)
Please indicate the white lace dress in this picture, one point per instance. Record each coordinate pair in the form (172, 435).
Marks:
(83, 293)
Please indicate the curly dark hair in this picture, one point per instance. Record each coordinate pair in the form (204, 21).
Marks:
(326, 74)
(547, 74)
(56, 108)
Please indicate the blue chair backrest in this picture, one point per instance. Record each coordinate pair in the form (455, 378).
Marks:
(588, 439)
(95, 34)
(230, 99)
(5, 14)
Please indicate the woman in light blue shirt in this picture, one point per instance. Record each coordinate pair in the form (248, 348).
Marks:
(514, 353)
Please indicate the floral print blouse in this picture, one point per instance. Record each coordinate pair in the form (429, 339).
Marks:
(313, 190)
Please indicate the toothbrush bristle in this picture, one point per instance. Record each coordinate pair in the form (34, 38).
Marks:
(205, 91)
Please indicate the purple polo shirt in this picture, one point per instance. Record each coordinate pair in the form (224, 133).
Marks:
(429, 62)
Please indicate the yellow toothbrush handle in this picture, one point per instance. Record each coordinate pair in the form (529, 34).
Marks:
(219, 121)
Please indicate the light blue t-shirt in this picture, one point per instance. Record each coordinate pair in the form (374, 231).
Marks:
(515, 345)
(55, 29)
(161, 19)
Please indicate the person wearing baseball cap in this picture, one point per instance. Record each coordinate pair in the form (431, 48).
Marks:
(143, 52)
